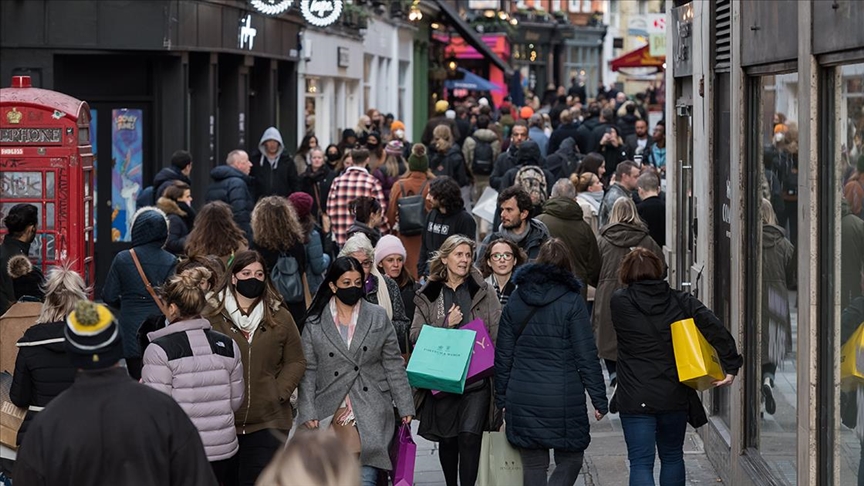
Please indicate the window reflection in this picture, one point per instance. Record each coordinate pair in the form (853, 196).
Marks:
(778, 316)
(849, 156)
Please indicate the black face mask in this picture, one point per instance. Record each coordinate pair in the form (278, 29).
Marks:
(333, 157)
(372, 146)
(251, 288)
(349, 296)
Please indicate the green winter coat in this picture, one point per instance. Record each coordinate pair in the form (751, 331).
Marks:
(564, 219)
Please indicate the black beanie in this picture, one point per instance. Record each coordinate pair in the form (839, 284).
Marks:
(93, 336)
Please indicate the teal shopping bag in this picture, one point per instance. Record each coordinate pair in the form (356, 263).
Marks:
(440, 359)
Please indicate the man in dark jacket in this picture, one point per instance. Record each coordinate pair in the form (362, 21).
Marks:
(179, 170)
(232, 185)
(626, 175)
(529, 154)
(508, 159)
(584, 137)
(21, 222)
(447, 217)
(565, 160)
(563, 216)
(515, 205)
(639, 143)
(273, 168)
(607, 120)
(566, 129)
(652, 209)
(90, 425)
(627, 122)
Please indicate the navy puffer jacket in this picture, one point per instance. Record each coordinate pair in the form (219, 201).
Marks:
(233, 188)
(541, 375)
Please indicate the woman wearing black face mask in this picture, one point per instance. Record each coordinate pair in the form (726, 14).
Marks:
(356, 374)
(247, 308)
(332, 154)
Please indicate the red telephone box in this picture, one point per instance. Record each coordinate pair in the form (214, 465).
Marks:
(46, 160)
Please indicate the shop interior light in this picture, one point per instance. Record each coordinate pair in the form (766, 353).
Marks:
(503, 15)
(435, 25)
(514, 22)
(414, 13)
(489, 14)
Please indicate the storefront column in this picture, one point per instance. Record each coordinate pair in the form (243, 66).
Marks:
(173, 130)
(203, 78)
(262, 100)
(233, 101)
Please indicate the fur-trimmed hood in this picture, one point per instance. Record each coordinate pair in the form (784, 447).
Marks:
(432, 289)
(169, 206)
(540, 284)
(18, 266)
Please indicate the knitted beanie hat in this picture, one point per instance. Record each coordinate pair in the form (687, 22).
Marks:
(389, 245)
(302, 203)
(92, 336)
(418, 161)
(526, 112)
(397, 125)
(393, 147)
(441, 106)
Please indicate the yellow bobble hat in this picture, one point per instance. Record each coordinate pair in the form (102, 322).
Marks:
(93, 336)
(441, 106)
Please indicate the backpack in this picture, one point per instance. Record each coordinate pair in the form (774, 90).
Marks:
(412, 212)
(287, 279)
(146, 197)
(533, 180)
(483, 155)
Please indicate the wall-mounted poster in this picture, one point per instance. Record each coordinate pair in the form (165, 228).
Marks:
(127, 144)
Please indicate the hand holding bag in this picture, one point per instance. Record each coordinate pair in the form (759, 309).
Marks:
(500, 462)
(440, 359)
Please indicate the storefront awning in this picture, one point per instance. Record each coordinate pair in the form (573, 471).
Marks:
(471, 81)
(638, 58)
(471, 36)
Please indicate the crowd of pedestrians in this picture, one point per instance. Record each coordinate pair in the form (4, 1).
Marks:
(293, 296)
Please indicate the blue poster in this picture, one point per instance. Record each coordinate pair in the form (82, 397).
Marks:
(127, 145)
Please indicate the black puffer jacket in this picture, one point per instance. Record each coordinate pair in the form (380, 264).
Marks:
(541, 375)
(233, 188)
(42, 370)
(165, 178)
(450, 163)
(647, 375)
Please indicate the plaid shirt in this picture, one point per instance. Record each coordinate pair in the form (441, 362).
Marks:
(353, 183)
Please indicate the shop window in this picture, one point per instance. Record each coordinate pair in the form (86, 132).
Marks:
(847, 155)
(773, 322)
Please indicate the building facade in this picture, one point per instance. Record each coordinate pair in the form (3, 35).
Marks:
(765, 122)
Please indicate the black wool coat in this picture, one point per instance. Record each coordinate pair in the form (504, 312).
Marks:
(541, 375)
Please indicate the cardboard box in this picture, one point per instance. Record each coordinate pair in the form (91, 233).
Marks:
(13, 323)
(11, 416)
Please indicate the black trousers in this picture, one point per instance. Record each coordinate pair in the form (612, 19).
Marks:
(460, 458)
(256, 451)
(225, 470)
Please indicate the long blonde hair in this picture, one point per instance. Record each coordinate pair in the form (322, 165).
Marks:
(437, 267)
(312, 458)
(624, 211)
(767, 213)
(442, 138)
(63, 289)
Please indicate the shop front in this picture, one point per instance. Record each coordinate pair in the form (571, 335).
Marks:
(158, 76)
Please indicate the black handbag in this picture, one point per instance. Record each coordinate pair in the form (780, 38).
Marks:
(412, 212)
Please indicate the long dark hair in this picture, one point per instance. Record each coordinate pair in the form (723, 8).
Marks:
(339, 267)
(304, 147)
(271, 297)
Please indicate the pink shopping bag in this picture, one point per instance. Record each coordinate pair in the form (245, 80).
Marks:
(403, 453)
(482, 362)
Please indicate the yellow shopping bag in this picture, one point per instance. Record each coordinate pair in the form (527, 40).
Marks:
(852, 358)
(697, 361)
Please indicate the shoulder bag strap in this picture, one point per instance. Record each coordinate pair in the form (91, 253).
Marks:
(147, 283)
(525, 321)
(317, 199)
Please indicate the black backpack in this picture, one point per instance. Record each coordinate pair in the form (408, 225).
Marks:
(412, 212)
(287, 279)
(483, 158)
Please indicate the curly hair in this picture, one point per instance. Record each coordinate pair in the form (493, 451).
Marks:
(523, 200)
(275, 225)
(519, 255)
(448, 194)
(215, 232)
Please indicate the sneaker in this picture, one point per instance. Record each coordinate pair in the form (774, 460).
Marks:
(768, 395)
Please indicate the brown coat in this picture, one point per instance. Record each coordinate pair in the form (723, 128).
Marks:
(273, 366)
(408, 186)
(615, 242)
(20, 317)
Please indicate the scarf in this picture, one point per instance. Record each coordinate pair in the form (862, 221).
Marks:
(247, 324)
(592, 198)
(346, 330)
(512, 235)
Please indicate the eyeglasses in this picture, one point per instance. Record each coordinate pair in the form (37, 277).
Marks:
(502, 257)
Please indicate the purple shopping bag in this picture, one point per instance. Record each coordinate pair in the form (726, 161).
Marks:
(403, 453)
(482, 362)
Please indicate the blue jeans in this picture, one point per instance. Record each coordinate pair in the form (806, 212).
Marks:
(368, 476)
(665, 431)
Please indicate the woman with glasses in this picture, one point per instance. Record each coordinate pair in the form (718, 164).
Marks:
(499, 262)
(378, 289)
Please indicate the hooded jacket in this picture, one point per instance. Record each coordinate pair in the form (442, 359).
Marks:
(565, 160)
(234, 188)
(439, 226)
(201, 369)
(180, 220)
(541, 375)
(564, 219)
(278, 178)
(528, 154)
(647, 375)
(615, 242)
(166, 177)
(584, 137)
(537, 234)
(778, 273)
(10, 248)
(124, 289)
(562, 133)
(42, 370)
(483, 135)
(506, 161)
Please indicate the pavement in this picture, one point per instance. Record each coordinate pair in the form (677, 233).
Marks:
(605, 460)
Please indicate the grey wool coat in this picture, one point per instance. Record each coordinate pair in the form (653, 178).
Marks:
(371, 371)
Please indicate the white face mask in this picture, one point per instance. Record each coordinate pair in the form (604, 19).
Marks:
(399, 133)
(778, 137)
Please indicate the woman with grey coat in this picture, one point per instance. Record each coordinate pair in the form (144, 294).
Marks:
(355, 374)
